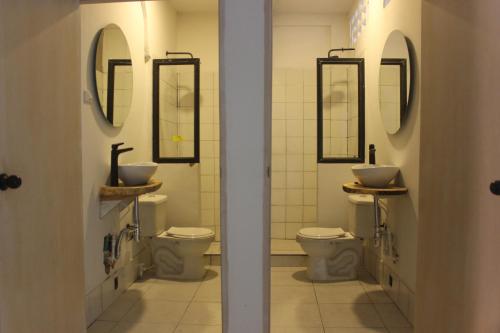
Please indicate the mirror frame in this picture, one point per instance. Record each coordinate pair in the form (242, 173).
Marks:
(157, 63)
(360, 62)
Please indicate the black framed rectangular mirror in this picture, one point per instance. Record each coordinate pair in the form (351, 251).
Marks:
(119, 90)
(341, 110)
(393, 92)
(176, 110)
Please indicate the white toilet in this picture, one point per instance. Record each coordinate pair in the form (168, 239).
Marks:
(333, 253)
(178, 251)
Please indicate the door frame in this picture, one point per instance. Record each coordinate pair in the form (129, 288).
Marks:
(245, 111)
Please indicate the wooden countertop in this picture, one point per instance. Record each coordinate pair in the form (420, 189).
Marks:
(361, 189)
(107, 193)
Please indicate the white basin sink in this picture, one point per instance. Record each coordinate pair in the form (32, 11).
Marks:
(373, 175)
(134, 174)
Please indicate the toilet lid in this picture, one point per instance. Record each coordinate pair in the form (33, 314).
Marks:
(184, 232)
(321, 233)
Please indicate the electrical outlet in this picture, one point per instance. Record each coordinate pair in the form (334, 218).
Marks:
(116, 283)
(390, 280)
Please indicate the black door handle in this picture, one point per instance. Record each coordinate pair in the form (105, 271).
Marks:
(495, 187)
(7, 182)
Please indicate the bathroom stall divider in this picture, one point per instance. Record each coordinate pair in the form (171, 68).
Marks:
(245, 101)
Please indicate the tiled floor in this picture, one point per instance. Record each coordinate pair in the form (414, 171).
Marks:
(298, 306)
(278, 246)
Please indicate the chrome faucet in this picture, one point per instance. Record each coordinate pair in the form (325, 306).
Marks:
(115, 152)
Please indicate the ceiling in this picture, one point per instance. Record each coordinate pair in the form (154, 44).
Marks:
(279, 6)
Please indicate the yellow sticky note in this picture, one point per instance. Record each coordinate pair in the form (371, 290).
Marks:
(177, 138)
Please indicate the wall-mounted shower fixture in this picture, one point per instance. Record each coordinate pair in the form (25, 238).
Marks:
(179, 53)
(338, 50)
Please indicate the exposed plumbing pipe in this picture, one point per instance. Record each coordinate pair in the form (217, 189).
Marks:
(377, 228)
(118, 242)
(137, 222)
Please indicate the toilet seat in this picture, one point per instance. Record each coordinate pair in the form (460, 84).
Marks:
(321, 233)
(188, 233)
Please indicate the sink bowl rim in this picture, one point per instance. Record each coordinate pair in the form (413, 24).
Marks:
(138, 164)
(374, 166)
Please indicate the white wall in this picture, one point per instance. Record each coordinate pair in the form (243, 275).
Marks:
(403, 148)
(298, 39)
(98, 135)
(199, 33)
(181, 181)
(334, 33)
(193, 190)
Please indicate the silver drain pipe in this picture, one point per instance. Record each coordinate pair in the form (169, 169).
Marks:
(137, 222)
(134, 229)
(378, 226)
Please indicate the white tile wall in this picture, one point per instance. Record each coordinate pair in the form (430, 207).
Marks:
(390, 97)
(340, 100)
(209, 151)
(294, 180)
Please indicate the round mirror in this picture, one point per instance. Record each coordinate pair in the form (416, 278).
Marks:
(113, 75)
(395, 82)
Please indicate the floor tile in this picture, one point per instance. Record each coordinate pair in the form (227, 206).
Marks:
(213, 274)
(293, 294)
(203, 314)
(295, 315)
(356, 330)
(171, 292)
(142, 286)
(101, 327)
(150, 278)
(297, 277)
(117, 310)
(349, 283)
(341, 294)
(157, 305)
(156, 311)
(375, 292)
(208, 292)
(350, 315)
(199, 329)
(296, 329)
(391, 316)
(125, 327)
(286, 269)
(400, 329)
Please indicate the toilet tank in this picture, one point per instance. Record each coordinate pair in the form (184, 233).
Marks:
(361, 216)
(153, 214)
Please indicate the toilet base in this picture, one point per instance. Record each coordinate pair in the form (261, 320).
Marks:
(341, 266)
(191, 268)
(180, 259)
(326, 269)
